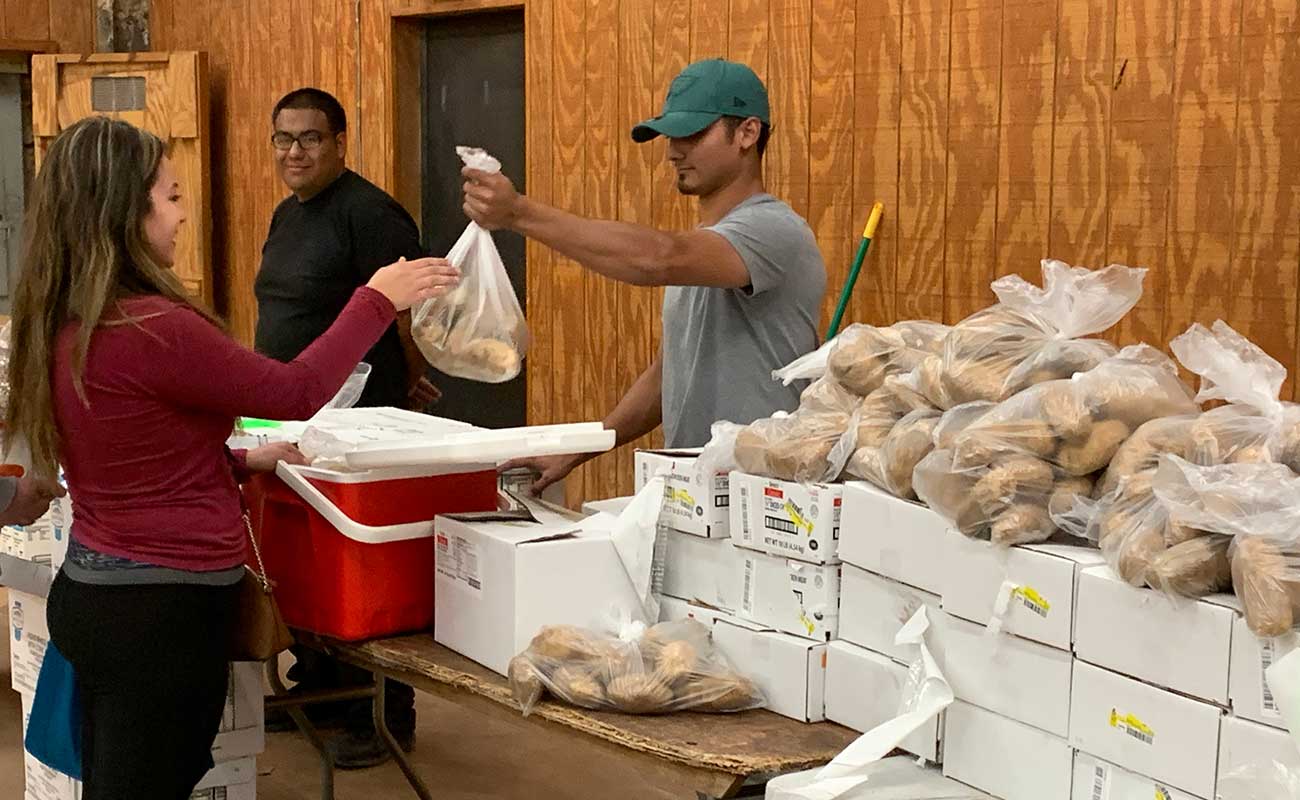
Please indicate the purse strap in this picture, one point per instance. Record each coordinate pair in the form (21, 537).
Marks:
(260, 572)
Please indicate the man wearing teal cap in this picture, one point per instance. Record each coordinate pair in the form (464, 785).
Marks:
(744, 288)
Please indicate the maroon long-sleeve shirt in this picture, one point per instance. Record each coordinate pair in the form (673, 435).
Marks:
(146, 460)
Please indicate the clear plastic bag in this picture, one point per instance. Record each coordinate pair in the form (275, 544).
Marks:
(672, 666)
(1079, 424)
(1260, 780)
(1007, 502)
(1258, 505)
(478, 330)
(1034, 335)
(805, 448)
(863, 356)
(890, 463)
(1255, 426)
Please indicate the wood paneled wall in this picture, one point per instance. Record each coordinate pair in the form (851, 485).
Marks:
(68, 24)
(1158, 133)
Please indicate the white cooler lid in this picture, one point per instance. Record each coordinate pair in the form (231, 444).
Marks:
(479, 446)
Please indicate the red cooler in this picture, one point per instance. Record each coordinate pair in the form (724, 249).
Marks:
(351, 554)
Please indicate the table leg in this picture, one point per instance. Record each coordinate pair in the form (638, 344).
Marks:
(381, 726)
(299, 717)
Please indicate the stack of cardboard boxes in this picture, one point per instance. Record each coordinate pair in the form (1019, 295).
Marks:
(1068, 682)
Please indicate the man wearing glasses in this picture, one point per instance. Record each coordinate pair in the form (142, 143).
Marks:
(326, 239)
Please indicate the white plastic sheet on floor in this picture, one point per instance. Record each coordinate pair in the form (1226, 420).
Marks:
(898, 778)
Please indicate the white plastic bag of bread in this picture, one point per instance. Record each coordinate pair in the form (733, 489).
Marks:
(672, 666)
(478, 330)
(1033, 335)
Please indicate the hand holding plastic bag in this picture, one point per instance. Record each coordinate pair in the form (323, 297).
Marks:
(477, 331)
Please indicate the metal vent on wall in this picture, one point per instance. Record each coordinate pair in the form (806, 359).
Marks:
(109, 94)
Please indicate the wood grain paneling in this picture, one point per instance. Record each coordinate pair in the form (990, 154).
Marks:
(1155, 133)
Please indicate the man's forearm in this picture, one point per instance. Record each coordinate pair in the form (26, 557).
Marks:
(641, 409)
(622, 251)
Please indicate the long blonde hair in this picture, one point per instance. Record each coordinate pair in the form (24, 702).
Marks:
(84, 250)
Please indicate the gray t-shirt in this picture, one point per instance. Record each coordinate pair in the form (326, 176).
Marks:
(721, 345)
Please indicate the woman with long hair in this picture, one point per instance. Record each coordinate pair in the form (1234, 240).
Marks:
(117, 375)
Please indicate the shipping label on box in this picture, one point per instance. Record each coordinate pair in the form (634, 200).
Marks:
(29, 635)
(1029, 591)
(873, 609)
(893, 537)
(1025, 681)
(1184, 646)
(790, 670)
(1246, 745)
(799, 521)
(791, 596)
(1095, 779)
(693, 503)
(1251, 696)
(1150, 731)
(865, 689)
(708, 571)
(1005, 758)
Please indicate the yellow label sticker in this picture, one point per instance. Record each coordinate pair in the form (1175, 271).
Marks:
(680, 496)
(800, 522)
(1032, 600)
(808, 623)
(1132, 726)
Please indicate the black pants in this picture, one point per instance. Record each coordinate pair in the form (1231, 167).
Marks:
(151, 662)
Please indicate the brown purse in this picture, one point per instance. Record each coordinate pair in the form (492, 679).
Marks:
(259, 632)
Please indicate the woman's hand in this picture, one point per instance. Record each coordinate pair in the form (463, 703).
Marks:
(406, 283)
(264, 458)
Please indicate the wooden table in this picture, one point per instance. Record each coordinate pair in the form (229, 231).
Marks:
(680, 755)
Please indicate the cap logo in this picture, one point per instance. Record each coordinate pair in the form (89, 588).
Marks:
(736, 102)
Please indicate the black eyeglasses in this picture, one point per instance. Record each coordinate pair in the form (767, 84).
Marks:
(307, 140)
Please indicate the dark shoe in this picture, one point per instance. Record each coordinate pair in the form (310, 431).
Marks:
(355, 750)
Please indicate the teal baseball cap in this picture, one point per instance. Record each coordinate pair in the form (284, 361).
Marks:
(703, 93)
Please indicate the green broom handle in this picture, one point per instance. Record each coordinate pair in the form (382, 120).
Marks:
(868, 233)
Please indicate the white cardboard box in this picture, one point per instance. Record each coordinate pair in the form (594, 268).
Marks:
(1003, 757)
(864, 689)
(893, 537)
(33, 542)
(793, 520)
(29, 635)
(872, 609)
(499, 583)
(790, 670)
(706, 570)
(1184, 646)
(230, 780)
(791, 596)
(1247, 689)
(673, 609)
(242, 731)
(1041, 582)
(614, 505)
(1244, 744)
(1095, 779)
(1146, 730)
(1013, 677)
(690, 506)
(897, 778)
